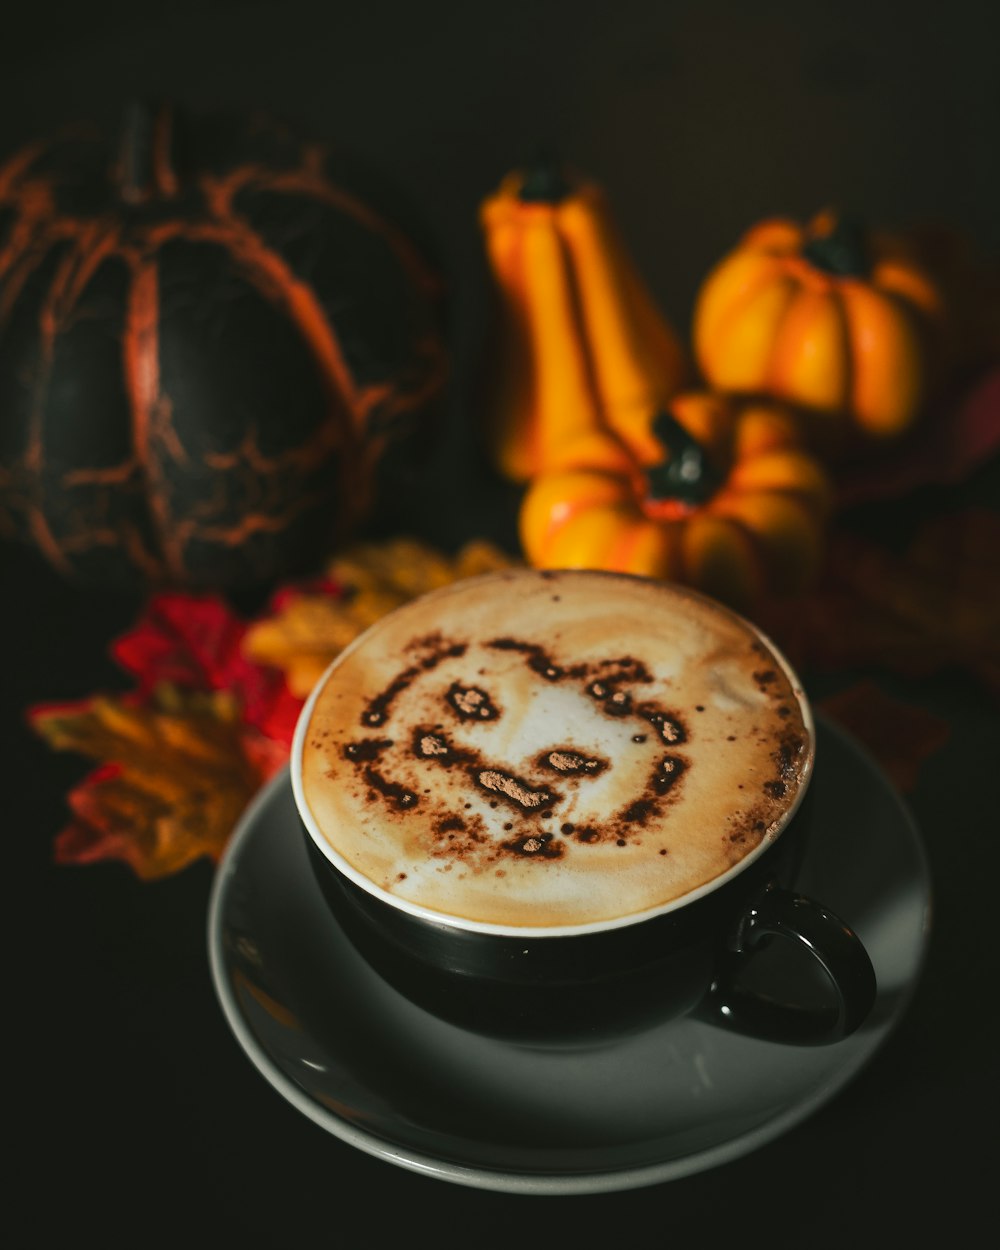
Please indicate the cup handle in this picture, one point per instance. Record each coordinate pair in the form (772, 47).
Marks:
(781, 913)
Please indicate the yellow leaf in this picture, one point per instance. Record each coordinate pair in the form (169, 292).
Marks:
(174, 780)
(310, 629)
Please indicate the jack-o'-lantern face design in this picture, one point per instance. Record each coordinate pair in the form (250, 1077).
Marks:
(536, 757)
(550, 748)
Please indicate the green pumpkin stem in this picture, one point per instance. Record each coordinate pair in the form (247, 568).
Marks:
(544, 181)
(843, 250)
(686, 473)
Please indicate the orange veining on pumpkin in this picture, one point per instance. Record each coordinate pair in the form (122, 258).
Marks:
(165, 177)
(302, 301)
(276, 280)
(221, 192)
(156, 484)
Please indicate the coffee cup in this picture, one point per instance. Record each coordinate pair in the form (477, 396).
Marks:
(556, 805)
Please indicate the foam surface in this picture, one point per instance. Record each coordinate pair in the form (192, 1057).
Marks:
(553, 748)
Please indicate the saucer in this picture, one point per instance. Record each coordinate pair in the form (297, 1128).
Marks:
(388, 1078)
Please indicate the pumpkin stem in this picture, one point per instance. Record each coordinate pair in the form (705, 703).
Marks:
(840, 250)
(686, 474)
(544, 181)
(144, 155)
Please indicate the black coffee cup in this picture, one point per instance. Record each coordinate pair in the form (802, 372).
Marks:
(744, 951)
(699, 959)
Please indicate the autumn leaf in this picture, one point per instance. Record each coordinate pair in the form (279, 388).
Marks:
(211, 718)
(307, 627)
(900, 735)
(969, 278)
(931, 607)
(945, 448)
(196, 642)
(175, 776)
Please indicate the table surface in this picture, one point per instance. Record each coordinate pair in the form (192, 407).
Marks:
(132, 1102)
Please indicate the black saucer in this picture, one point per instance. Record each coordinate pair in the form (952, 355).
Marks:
(386, 1077)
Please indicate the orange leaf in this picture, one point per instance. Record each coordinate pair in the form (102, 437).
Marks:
(306, 630)
(176, 775)
(212, 717)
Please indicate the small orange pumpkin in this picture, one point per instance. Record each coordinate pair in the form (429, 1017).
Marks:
(835, 319)
(713, 492)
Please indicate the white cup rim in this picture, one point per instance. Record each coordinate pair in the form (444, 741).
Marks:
(450, 920)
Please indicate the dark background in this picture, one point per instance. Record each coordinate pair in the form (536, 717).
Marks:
(131, 1103)
(698, 117)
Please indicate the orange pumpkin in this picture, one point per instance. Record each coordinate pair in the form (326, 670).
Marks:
(712, 492)
(837, 320)
(577, 339)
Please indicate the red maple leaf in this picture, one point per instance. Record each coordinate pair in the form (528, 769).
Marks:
(181, 755)
(196, 642)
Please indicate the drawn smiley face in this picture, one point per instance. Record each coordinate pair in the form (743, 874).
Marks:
(466, 751)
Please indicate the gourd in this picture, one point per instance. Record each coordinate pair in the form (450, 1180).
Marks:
(716, 493)
(577, 341)
(841, 321)
(211, 331)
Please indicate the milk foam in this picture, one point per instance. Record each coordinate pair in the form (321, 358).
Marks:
(535, 749)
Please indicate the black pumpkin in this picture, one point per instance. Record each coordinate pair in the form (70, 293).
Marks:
(209, 334)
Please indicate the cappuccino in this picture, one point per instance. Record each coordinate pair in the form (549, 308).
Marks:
(529, 749)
